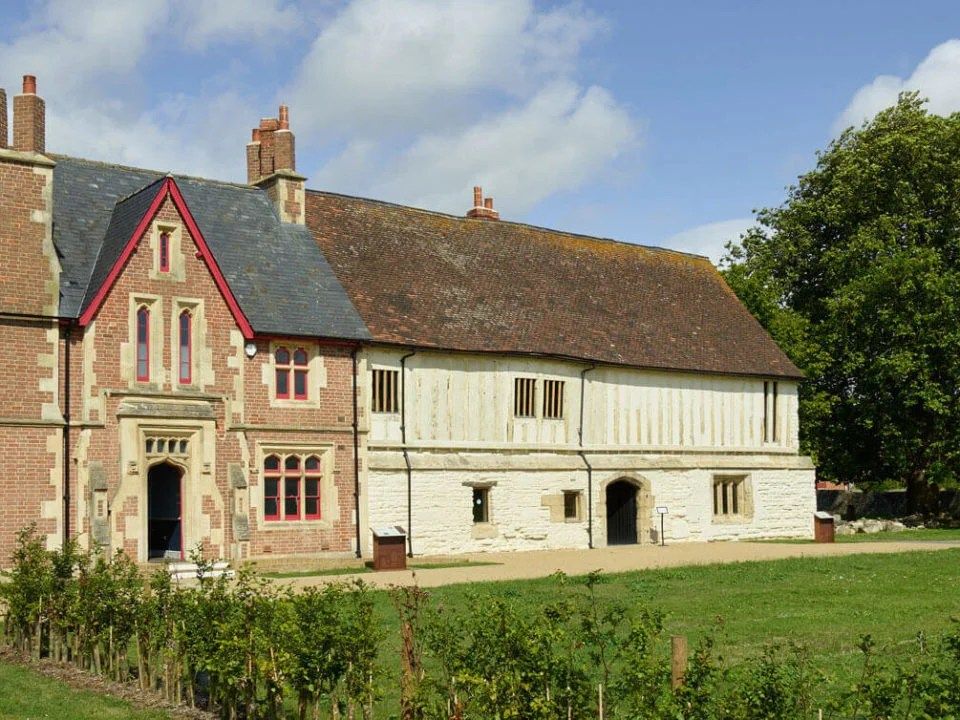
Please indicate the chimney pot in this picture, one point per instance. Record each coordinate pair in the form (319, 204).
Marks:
(284, 117)
(488, 203)
(255, 135)
(477, 196)
(29, 119)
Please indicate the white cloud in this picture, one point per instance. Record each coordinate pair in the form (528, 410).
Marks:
(709, 239)
(423, 100)
(935, 77)
(89, 58)
(387, 66)
(557, 140)
(215, 21)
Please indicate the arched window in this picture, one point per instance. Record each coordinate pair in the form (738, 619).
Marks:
(271, 488)
(282, 360)
(300, 374)
(164, 252)
(143, 344)
(291, 487)
(291, 370)
(186, 348)
(311, 488)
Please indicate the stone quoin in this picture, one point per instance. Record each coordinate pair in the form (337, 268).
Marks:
(268, 371)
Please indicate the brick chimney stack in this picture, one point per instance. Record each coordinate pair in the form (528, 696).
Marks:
(3, 118)
(272, 165)
(482, 207)
(29, 119)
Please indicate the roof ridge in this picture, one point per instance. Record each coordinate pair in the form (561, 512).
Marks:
(162, 173)
(137, 192)
(555, 231)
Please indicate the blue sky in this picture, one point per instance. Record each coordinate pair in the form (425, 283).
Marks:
(664, 123)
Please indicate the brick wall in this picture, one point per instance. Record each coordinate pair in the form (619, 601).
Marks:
(30, 420)
(238, 392)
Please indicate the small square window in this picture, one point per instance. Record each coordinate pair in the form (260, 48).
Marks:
(524, 397)
(571, 505)
(385, 391)
(481, 505)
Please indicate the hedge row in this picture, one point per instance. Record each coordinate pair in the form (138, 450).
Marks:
(247, 648)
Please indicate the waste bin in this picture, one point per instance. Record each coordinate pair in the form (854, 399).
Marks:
(823, 530)
(389, 548)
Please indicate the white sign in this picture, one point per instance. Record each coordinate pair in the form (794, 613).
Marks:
(662, 509)
(395, 531)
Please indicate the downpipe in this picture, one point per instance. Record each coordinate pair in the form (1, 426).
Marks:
(583, 456)
(406, 454)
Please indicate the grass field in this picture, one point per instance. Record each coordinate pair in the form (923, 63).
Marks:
(925, 535)
(824, 603)
(28, 694)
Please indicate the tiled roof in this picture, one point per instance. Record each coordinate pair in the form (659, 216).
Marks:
(431, 280)
(262, 259)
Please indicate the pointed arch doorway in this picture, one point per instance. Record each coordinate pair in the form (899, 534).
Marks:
(629, 504)
(165, 512)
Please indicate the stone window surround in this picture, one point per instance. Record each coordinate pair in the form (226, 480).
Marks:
(316, 373)
(488, 529)
(195, 307)
(155, 345)
(176, 271)
(745, 504)
(329, 500)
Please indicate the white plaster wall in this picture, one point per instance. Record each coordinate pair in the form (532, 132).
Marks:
(672, 432)
(460, 399)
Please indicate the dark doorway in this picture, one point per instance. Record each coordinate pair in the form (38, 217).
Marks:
(164, 510)
(621, 513)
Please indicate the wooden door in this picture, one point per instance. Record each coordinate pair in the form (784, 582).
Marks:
(621, 513)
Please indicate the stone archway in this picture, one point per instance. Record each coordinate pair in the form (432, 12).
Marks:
(165, 512)
(627, 511)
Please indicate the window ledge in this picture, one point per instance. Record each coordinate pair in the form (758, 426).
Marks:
(484, 531)
(272, 525)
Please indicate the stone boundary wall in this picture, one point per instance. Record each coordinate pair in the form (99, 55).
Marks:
(887, 504)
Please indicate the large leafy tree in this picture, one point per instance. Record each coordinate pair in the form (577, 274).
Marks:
(857, 276)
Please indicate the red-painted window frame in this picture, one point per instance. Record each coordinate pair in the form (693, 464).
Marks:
(164, 252)
(185, 358)
(271, 475)
(281, 358)
(312, 473)
(143, 344)
(292, 477)
(300, 374)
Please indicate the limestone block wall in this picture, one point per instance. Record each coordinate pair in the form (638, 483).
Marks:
(521, 487)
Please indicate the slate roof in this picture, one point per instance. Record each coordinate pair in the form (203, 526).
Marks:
(96, 204)
(431, 280)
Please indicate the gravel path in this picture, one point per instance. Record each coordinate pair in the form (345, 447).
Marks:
(540, 563)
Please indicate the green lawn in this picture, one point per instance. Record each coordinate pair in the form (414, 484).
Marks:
(925, 535)
(28, 694)
(824, 603)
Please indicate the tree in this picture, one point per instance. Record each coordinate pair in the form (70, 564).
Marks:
(857, 276)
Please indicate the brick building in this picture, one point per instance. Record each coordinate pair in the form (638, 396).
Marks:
(268, 371)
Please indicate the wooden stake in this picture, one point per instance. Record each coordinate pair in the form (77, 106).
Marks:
(600, 700)
(678, 660)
